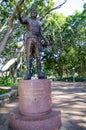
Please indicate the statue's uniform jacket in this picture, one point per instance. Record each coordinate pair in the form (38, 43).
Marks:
(32, 40)
(32, 44)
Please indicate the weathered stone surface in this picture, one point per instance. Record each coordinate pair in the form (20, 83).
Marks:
(34, 97)
(50, 121)
(35, 107)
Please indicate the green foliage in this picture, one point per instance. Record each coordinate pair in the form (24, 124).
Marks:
(9, 81)
(3, 92)
(67, 56)
(71, 79)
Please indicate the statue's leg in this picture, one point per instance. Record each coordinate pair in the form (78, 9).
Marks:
(28, 72)
(40, 73)
(38, 62)
(28, 47)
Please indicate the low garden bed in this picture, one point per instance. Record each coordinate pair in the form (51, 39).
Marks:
(4, 90)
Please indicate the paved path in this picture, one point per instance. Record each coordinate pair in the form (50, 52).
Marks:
(70, 98)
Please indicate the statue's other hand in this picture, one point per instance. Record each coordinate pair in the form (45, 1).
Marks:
(50, 43)
(17, 10)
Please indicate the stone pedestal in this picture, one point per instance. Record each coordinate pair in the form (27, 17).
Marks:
(34, 112)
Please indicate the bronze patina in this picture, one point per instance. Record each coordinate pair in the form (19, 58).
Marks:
(32, 42)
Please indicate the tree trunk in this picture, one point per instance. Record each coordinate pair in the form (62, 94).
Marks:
(4, 41)
(11, 27)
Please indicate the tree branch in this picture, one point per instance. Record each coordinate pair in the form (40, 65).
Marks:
(10, 29)
(12, 61)
(4, 41)
(57, 7)
(1, 1)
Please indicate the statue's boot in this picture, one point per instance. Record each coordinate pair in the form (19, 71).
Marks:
(28, 73)
(40, 74)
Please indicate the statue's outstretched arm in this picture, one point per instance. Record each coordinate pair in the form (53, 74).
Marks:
(22, 20)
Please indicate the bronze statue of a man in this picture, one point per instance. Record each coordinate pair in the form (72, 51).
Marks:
(32, 42)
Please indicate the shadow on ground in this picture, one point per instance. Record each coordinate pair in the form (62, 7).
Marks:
(70, 98)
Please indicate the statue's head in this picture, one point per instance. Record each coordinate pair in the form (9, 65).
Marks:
(33, 13)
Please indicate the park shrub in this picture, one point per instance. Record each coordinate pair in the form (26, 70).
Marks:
(71, 79)
(8, 81)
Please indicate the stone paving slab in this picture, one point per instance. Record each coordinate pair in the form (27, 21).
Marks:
(70, 98)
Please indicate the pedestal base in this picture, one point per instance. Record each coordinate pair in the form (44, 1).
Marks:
(50, 121)
(34, 97)
(34, 112)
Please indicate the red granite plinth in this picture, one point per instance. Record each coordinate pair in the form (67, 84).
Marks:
(34, 97)
(50, 121)
(34, 112)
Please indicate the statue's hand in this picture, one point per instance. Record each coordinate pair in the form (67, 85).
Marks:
(50, 43)
(17, 10)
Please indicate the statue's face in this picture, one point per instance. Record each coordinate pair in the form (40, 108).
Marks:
(34, 14)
